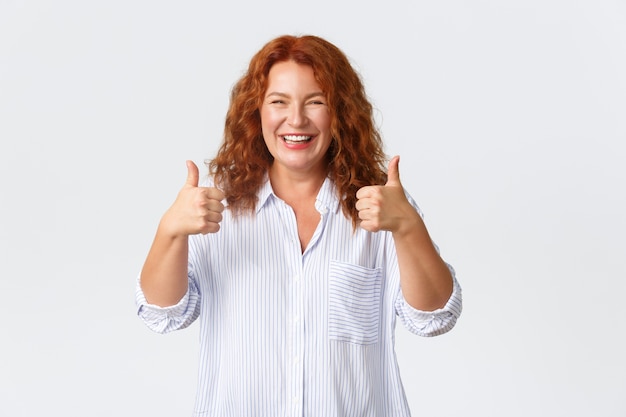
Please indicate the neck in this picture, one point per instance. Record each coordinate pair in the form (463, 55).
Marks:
(294, 187)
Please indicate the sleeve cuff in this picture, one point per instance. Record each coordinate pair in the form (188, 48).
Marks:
(432, 323)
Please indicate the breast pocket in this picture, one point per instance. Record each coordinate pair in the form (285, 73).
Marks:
(354, 303)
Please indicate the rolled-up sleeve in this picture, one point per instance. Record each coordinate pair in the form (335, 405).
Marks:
(432, 323)
(167, 319)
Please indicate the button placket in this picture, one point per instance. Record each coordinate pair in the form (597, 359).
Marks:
(296, 365)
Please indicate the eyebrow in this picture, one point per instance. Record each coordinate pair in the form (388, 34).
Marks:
(308, 96)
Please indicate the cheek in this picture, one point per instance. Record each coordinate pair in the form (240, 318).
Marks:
(268, 121)
(323, 120)
(324, 124)
(267, 130)
(264, 118)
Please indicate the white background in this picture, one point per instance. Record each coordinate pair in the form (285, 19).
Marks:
(509, 116)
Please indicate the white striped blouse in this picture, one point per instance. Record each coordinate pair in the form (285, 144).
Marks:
(286, 333)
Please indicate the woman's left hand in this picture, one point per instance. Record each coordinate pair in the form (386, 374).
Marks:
(385, 207)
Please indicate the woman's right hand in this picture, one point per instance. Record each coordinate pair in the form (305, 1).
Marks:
(195, 210)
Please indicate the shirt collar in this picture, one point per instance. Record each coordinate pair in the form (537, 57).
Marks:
(264, 193)
(326, 200)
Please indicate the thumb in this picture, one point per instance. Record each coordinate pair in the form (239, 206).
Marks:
(193, 175)
(393, 173)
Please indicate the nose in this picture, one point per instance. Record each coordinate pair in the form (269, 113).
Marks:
(297, 116)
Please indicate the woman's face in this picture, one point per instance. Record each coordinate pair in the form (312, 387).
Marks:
(295, 120)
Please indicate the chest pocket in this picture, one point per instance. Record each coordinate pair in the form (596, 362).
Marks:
(354, 303)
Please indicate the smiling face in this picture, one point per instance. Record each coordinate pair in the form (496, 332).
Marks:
(295, 120)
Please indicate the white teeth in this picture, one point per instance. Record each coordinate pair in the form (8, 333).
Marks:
(296, 138)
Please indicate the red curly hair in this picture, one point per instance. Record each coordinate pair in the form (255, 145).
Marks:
(355, 156)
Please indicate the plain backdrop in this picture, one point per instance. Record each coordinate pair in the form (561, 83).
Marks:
(510, 119)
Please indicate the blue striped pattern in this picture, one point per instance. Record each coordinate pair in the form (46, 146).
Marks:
(284, 333)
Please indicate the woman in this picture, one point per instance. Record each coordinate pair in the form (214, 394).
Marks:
(298, 282)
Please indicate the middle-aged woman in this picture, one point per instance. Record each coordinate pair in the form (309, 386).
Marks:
(299, 281)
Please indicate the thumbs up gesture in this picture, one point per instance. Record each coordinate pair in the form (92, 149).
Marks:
(385, 207)
(195, 210)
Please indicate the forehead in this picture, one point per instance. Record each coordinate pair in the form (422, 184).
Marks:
(291, 75)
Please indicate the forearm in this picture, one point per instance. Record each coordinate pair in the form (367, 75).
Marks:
(196, 210)
(164, 274)
(425, 279)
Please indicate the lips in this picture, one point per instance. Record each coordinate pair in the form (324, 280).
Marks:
(296, 139)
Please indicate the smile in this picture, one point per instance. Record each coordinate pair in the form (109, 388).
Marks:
(297, 139)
